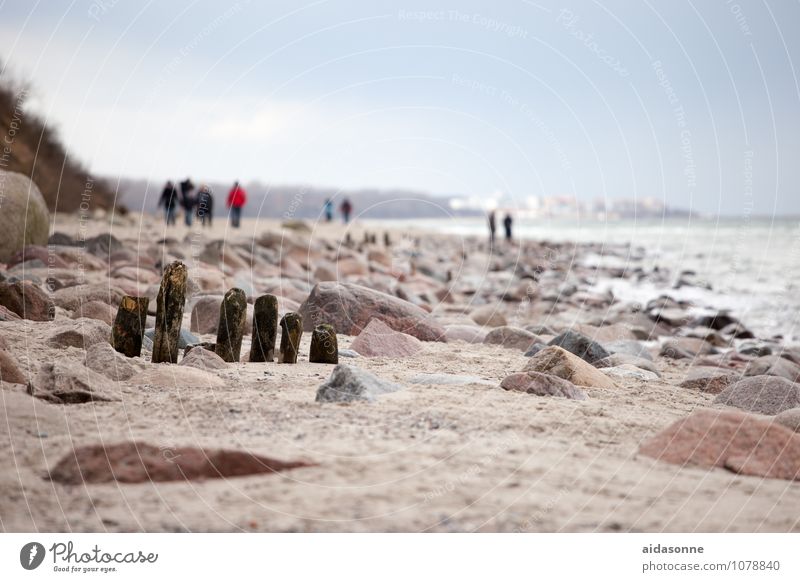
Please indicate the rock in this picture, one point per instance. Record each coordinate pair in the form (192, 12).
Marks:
(7, 315)
(66, 382)
(232, 317)
(291, 332)
(26, 300)
(9, 370)
(185, 339)
(348, 384)
(96, 310)
(488, 315)
(137, 462)
(774, 366)
(764, 394)
(448, 380)
(738, 331)
(629, 347)
(205, 315)
(79, 333)
(61, 239)
(542, 385)
(674, 316)
(559, 362)
(753, 348)
(208, 346)
(717, 321)
(103, 245)
(540, 329)
(738, 442)
(344, 353)
(39, 253)
(631, 372)
(129, 324)
(621, 359)
(71, 298)
(324, 348)
(103, 359)
(511, 337)
(378, 340)
(24, 219)
(790, 419)
(580, 345)
(709, 379)
(686, 347)
(349, 308)
(265, 329)
(534, 349)
(169, 313)
(472, 334)
(203, 359)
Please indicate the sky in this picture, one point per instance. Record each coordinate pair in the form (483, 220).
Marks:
(695, 103)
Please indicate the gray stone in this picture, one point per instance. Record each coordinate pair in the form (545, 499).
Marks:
(103, 359)
(790, 419)
(774, 366)
(763, 394)
(542, 385)
(66, 382)
(585, 348)
(511, 337)
(348, 384)
(629, 347)
(24, 219)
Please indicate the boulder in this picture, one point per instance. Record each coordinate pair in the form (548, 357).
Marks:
(96, 310)
(542, 385)
(774, 366)
(79, 333)
(349, 308)
(488, 315)
(27, 300)
(136, 462)
(472, 334)
(790, 419)
(511, 337)
(103, 245)
(9, 370)
(621, 359)
(348, 383)
(718, 321)
(764, 394)
(104, 359)
(203, 359)
(559, 362)
(378, 340)
(66, 382)
(739, 442)
(71, 298)
(24, 219)
(685, 347)
(709, 379)
(580, 345)
(630, 347)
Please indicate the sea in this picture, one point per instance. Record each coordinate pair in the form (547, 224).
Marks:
(750, 266)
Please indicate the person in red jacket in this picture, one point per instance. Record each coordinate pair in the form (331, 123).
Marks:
(237, 198)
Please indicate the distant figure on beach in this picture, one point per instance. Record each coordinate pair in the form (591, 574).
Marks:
(237, 198)
(507, 222)
(346, 208)
(169, 200)
(187, 200)
(328, 210)
(492, 227)
(205, 205)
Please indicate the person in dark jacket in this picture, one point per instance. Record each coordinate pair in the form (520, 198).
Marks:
(169, 200)
(205, 205)
(187, 200)
(346, 207)
(492, 228)
(507, 222)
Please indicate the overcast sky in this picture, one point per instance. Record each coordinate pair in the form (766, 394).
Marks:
(696, 103)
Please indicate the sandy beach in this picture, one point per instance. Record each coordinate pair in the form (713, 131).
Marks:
(451, 451)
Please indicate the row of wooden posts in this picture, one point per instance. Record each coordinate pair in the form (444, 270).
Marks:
(129, 326)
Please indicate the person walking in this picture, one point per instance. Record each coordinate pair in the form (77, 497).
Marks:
(346, 207)
(507, 222)
(205, 205)
(187, 200)
(237, 198)
(328, 210)
(169, 200)
(492, 228)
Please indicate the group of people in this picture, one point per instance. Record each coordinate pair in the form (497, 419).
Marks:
(199, 203)
(508, 222)
(346, 208)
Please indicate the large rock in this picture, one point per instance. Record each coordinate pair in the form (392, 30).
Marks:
(96, 310)
(103, 245)
(348, 383)
(472, 334)
(104, 359)
(686, 348)
(71, 298)
(774, 366)
(134, 462)
(709, 379)
(585, 348)
(27, 300)
(79, 333)
(739, 442)
(542, 385)
(349, 308)
(378, 340)
(203, 359)
(622, 359)
(559, 362)
(764, 394)
(205, 314)
(790, 419)
(488, 315)
(9, 370)
(630, 347)
(511, 337)
(66, 382)
(24, 218)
